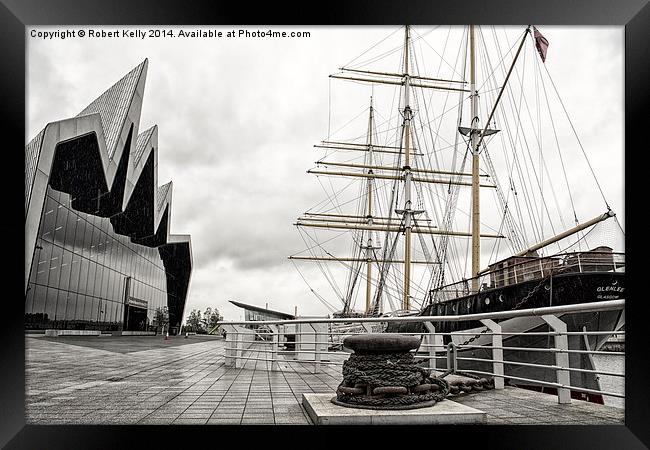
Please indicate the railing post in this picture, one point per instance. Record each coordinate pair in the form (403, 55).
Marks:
(451, 357)
(319, 333)
(275, 343)
(561, 357)
(239, 343)
(367, 327)
(231, 342)
(497, 352)
(431, 341)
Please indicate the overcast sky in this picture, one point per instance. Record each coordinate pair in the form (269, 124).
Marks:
(238, 118)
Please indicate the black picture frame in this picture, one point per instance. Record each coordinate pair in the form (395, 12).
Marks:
(15, 14)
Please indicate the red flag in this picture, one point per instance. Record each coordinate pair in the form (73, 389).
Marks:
(541, 43)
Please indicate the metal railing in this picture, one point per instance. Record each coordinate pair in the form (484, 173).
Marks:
(316, 343)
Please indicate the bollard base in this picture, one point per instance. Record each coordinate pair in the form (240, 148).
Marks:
(323, 412)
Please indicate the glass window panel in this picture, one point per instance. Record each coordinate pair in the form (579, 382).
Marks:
(127, 261)
(71, 311)
(79, 235)
(35, 262)
(48, 220)
(43, 264)
(115, 254)
(78, 310)
(100, 310)
(119, 288)
(83, 276)
(29, 298)
(55, 266)
(94, 247)
(75, 267)
(108, 259)
(119, 312)
(133, 287)
(110, 312)
(66, 266)
(105, 278)
(50, 304)
(61, 223)
(87, 307)
(40, 295)
(141, 266)
(92, 271)
(61, 305)
(110, 292)
(118, 294)
(136, 265)
(121, 256)
(99, 273)
(65, 200)
(115, 286)
(100, 248)
(70, 230)
(87, 240)
(94, 309)
(133, 264)
(31, 319)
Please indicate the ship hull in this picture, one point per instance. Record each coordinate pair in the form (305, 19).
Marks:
(563, 289)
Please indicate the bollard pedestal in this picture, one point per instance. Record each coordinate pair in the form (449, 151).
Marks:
(383, 374)
(323, 412)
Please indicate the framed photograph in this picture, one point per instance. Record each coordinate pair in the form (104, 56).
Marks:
(408, 216)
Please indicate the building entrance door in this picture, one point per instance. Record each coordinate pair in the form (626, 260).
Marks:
(136, 319)
(135, 310)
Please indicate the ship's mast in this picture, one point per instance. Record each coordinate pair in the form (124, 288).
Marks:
(408, 212)
(373, 172)
(475, 135)
(369, 247)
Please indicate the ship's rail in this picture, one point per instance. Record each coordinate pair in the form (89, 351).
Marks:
(529, 268)
(316, 345)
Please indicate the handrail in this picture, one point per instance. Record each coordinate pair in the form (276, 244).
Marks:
(606, 305)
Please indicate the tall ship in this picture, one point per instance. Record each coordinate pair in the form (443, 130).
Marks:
(461, 191)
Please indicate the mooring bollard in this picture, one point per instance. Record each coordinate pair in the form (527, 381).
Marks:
(382, 373)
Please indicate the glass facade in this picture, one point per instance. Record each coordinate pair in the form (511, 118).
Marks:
(85, 276)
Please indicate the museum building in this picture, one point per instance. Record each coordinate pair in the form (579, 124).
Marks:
(98, 250)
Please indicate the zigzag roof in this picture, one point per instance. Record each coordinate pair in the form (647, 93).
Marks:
(113, 105)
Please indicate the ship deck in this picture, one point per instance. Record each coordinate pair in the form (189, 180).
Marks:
(150, 380)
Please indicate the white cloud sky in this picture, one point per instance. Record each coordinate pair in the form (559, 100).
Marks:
(238, 117)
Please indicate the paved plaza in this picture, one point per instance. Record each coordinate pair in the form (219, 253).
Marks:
(150, 380)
